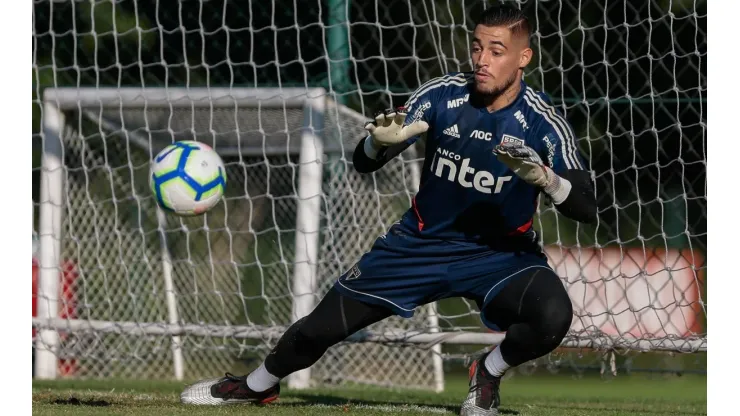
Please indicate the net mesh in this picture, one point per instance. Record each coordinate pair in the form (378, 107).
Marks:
(233, 266)
(630, 76)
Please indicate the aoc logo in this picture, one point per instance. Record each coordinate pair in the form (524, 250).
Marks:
(481, 135)
(446, 166)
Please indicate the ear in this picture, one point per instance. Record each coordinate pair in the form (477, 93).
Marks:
(525, 57)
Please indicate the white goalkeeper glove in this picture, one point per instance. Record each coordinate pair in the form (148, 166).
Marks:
(388, 129)
(527, 164)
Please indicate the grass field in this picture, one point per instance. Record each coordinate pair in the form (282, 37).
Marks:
(522, 395)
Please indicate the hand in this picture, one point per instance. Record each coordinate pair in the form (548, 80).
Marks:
(388, 128)
(526, 164)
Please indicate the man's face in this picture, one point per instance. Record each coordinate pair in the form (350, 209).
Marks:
(497, 56)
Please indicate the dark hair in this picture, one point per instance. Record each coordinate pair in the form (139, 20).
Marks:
(505, 15)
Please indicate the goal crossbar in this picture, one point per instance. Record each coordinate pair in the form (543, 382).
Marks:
(405, 336)
(70, 98)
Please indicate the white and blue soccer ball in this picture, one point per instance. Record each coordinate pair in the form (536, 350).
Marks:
(188, 178)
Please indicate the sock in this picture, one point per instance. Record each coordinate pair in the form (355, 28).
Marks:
(261, 380)
(495, 363)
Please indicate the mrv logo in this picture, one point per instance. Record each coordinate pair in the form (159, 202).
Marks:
(457, 102)
(520, 118)
(447, 168)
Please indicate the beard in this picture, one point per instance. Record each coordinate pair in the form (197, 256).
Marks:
(495, 91)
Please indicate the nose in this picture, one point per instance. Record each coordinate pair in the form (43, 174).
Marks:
(482, 60)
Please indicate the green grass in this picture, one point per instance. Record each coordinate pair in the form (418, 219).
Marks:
(538, 395)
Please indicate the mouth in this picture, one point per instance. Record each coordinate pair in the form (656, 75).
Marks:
(481, 76)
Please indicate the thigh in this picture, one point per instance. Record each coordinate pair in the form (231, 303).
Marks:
(481, 278)
(337, 316)
(400, 272)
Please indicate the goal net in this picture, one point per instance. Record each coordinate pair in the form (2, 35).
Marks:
(282, 91)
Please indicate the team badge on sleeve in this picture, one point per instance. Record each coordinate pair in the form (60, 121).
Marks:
(511, 140)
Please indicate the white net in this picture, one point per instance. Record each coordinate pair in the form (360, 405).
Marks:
(233, 266)
(630, 76)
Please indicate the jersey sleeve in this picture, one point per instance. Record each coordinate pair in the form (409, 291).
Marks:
(558, 145)
(419, 106)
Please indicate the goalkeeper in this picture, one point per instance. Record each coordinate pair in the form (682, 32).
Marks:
(493, 145)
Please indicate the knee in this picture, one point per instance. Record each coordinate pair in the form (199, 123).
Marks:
(556, 316)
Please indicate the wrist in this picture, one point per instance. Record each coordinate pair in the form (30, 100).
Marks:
(557, 188)
(371, 149)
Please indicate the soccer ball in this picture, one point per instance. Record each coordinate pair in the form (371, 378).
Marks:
(188, 178)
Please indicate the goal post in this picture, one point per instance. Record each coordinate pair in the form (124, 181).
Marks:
(50, 231)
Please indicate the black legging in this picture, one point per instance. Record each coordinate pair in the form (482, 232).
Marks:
(534, 309)
(536, 313)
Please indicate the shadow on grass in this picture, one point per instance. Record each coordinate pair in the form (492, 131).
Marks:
(328, 400)
(73, 401)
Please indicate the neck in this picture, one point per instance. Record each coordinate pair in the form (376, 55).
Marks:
(505, 98)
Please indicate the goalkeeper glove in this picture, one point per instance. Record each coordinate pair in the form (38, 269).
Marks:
(388, 128)
(526, 164)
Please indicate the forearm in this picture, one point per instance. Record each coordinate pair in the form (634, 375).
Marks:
(369, 157)
(573, 195)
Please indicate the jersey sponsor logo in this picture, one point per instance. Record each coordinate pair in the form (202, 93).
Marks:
(452, 131)
(550, 149)
(419, 113)
(520, 117)
(482, 135)
(511, 139)
(457, 102)
(466, 176)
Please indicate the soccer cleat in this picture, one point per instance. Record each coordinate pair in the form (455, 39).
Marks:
(483, 397)
(227, 390)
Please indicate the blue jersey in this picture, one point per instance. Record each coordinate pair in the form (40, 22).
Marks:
(465, 193)
(469, 230)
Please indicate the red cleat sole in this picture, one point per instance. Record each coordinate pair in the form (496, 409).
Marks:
(269, 400)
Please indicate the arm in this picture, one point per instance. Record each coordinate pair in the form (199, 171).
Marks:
(579, 201)
(574, 195)
(369, 157)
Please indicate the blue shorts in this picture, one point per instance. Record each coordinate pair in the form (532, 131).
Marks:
(403, 271)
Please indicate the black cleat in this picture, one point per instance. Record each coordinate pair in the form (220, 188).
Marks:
(483, 397)
(227, 390)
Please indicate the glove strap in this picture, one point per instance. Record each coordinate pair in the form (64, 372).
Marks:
(370, 150)
(557, 188)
